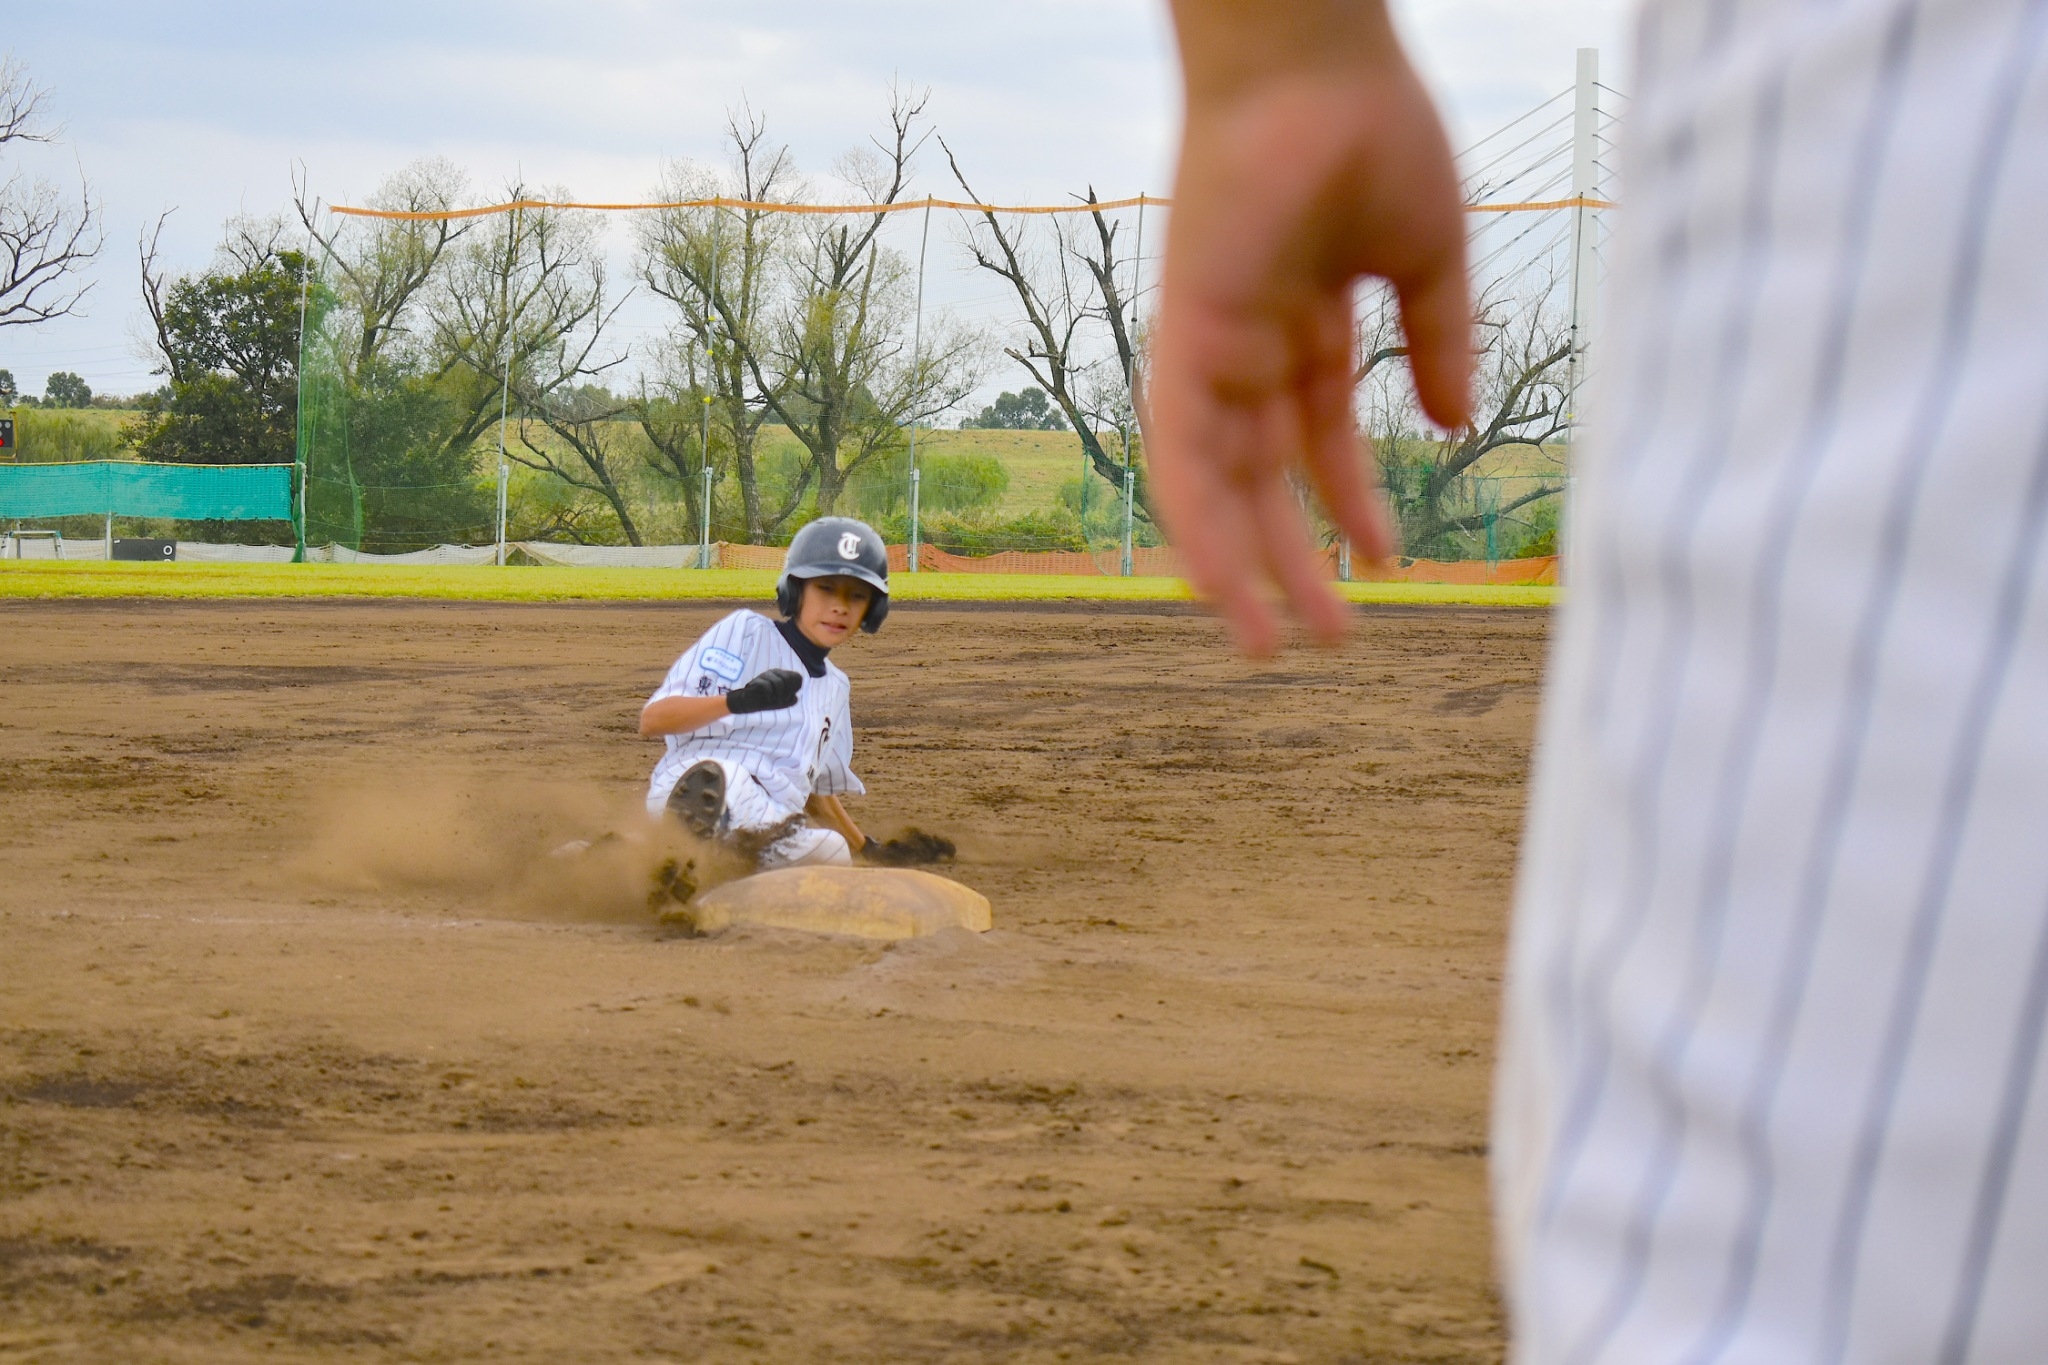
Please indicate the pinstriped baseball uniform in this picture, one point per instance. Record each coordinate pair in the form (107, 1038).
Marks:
(1772, 1079)
(789, 754)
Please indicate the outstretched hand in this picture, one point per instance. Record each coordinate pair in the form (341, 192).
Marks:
(1308, 161)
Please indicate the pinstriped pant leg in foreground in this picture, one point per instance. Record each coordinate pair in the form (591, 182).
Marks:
(1772, 1079)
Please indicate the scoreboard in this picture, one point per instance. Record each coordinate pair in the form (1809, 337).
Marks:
(6, 438)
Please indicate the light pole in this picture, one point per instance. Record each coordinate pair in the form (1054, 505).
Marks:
(916, 379)
(505, 383)
(704, 450)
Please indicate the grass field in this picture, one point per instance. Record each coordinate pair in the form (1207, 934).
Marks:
(47, 579)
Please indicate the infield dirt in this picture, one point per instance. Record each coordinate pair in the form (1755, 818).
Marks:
(301, 1059)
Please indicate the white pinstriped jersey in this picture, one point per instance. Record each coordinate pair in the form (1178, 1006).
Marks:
(792, 753)
(1771, 1086)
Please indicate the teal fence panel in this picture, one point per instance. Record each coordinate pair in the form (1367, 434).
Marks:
(183, 492)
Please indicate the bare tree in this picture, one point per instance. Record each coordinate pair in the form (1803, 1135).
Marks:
(720, 268)
(46, 239)
(1066, 293)
(841, 379)
(382, 267)
(553, 308)
(590, 423)
(673, 409)
(154, 283)
(1519, 402)
(528, 291)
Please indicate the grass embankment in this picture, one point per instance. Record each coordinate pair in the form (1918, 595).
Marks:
(45, 579)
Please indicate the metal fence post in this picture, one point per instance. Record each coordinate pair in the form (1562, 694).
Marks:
(1130, 504)
(704, 536)
(916, 480)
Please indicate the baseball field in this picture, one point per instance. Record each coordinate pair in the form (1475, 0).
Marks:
(308, 1051)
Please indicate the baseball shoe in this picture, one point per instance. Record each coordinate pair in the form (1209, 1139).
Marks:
(698, 800)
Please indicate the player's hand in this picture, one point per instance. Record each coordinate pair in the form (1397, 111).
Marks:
(1302, 168)
(774, 690)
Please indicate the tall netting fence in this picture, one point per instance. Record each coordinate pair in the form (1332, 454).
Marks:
(687, 381)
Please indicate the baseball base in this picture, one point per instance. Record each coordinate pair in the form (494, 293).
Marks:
(860, 902)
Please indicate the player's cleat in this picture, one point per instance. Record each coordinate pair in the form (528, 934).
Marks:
(698, 799)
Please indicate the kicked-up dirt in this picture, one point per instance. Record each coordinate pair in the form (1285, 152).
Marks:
(309, 1052)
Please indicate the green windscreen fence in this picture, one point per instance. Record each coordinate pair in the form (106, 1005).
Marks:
(125, 489)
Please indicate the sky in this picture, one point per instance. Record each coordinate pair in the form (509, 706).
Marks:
(207, 108)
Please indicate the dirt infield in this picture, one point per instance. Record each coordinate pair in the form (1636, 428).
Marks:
(303, 1055)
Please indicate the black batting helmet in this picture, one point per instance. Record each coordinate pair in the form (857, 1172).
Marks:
(833, 546)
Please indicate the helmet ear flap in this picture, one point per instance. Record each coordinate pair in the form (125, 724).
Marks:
(787, 591)
(878, 608)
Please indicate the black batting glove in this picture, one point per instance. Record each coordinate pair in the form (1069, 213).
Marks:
(774, 690)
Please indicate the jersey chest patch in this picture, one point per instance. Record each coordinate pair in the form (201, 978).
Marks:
(723, 664)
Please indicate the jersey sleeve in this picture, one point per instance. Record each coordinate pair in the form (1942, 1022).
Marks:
(723, 657)
(835, 765)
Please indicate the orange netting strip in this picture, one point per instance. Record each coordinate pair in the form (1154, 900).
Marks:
(1159, 562)
(899, 206)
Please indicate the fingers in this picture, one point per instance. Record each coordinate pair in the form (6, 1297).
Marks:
(1436, 314)
(1203, 508)
(1230, 501)
(1336, 461)
(1289, 555)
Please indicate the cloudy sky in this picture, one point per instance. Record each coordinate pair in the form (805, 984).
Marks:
(206, 108)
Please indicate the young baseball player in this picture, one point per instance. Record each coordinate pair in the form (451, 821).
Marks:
(754, 717)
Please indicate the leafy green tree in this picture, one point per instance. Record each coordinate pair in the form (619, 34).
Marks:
(8, 392)
(228, 341)
(64, 389)
(1026, 411)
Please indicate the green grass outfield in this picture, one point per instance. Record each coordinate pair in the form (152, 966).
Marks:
(44, 579)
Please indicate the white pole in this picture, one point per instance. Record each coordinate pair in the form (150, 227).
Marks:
(704, 451)
(916, 356)
(1131, 382)
(505, 388)
(300, 453)
(916, 478)
(710, 371)
(110, 535)
(1130, 502)
(704, 538)
(1344, 559)
(1137, 288)
(1585, 183)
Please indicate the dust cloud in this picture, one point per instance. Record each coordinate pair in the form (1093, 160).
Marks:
(525, 848)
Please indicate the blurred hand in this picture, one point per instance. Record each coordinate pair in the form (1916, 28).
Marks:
(1304, 166)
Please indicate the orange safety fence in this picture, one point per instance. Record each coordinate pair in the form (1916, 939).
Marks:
(1539, 570)
(1161, 562)
(895, 206)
